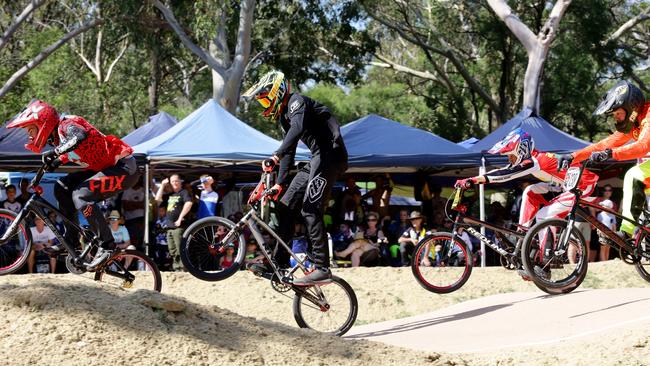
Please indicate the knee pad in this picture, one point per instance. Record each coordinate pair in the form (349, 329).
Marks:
(87, 210)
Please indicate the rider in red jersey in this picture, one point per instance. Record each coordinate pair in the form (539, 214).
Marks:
(108, 166)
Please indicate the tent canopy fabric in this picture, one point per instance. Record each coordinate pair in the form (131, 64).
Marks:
(157, 124)
(547, 137)
(13, 154)
(375, 141)
(210, 133)
(468, 143)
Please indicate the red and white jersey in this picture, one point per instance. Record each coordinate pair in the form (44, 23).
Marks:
(542, 166)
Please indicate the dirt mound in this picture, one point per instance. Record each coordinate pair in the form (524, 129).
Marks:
(73, 321)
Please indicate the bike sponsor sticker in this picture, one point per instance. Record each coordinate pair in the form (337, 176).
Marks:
(315, 188)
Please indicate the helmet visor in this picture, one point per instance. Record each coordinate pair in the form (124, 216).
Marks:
(264, 100)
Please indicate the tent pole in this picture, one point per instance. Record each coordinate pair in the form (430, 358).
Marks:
(481, 195)
(147, 189)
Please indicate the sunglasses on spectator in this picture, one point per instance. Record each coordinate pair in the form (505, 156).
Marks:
(372, 219)
(607, 190)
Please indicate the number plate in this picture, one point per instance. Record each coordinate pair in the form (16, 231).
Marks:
(456, 199)
(571, 178)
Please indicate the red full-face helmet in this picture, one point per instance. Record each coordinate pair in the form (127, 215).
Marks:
(41, 115)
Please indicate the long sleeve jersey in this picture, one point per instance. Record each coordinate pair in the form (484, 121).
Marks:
(542, 166)
(639, 148)
(83, 144)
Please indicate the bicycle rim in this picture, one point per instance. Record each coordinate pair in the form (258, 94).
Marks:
(440, 264)
(551, 270)
(334, 315)
(203, 249)
(13, 253)
(131, 270)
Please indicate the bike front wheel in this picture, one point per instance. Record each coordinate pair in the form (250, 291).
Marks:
(553, 268)
(13, 252)
(205, 246)
(131, 270)
(329, 308)
(441, 263)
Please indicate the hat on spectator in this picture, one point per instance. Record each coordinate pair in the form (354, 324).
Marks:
(607, 203)
(415, 215)
(115, 215)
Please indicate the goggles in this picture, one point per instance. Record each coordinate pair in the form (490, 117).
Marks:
(264, 100)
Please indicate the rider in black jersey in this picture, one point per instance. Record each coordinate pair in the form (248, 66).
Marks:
(302, 118)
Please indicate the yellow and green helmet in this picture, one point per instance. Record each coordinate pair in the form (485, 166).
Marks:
(271, 92)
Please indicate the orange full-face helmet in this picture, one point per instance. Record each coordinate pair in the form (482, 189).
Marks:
(41, 115)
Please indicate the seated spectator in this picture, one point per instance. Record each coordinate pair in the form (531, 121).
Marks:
(120, 234)
(343, 237)
(398, 227)
(367, 240)
(11, 203)
(42, 238)
(608, 220)
(253, 255)
(411, 237)
(228, 259)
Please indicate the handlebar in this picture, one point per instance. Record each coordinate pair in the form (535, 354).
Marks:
(39, 175)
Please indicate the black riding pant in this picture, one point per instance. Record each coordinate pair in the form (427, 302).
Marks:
(80, 191)
(311, 187)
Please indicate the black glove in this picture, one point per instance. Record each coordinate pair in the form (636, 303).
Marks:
(563, 161)
(51, 160)
(600, 156)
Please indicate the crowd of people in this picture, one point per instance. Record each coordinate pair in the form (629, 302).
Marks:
(359, 234)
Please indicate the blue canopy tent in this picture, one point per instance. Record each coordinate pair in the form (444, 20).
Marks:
(377, 142)
(157, 124)
(211, 135)
(547, 137)
(468, 143)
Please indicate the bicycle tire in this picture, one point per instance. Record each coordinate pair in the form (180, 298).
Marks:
(200, 253)
(530, 258)
(12, 259)
(642, 266)
(459, 271)
(151, 273)
(301, 304)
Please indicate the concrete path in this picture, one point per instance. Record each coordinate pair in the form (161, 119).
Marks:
(513, 320)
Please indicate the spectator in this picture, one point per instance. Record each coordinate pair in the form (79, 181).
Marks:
(606, 194)
(380, 195)
(208, 199)
(228, 259)
(133, 201)
(232, 201)
(343, 237)
(437, 202)
(120, 234)
(397, 228)
(11, 203)
(608, 220)
(161, 251)
(179, 203)
(42, 238)
(350, 203)
(411, 237)
(368, 240)
(253, 255)
(24, 192)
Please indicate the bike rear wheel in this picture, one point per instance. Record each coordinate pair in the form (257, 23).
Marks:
(131, 270)
(15, 251)
(334, 311)
(441, 264)
(643, 265)
(552, 271)
(204, 245)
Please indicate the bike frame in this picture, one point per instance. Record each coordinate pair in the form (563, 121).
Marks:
(579, 210)
(468, 221)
